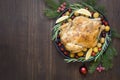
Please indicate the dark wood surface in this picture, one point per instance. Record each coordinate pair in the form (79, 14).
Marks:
(26, 51)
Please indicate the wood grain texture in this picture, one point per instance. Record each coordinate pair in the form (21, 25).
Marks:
(26, 49)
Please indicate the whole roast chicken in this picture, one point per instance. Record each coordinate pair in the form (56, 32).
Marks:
(80, 33)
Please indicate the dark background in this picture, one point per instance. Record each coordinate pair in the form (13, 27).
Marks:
(26, 49)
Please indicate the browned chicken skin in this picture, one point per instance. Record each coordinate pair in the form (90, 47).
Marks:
(80, 33)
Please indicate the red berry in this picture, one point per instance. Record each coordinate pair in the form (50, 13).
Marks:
(99, 49)
(102, 19)
(62, 9)
(76, 57)
(62, 49)
(64, 3)
(83, 70)
(58, 10)
(97, 68)
(92, 13)
(93, 54)
(59, 44)
(61, 5)
(106, 23)
(73, 17)
(66, 53)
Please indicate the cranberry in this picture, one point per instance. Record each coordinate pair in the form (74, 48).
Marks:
(76, 57)
(58, 11)
(66, 53)
(93, 54)
(106, 23)
(62, 49)
(99, 49)
(64, 4)
(59, 44)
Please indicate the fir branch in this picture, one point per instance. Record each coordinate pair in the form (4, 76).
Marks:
(90, 2)
(94, 65)
(101, 9)
(51, 13)
(87, 5)
(107, 57)
(52, 4)
(62, 1)
(114, 34)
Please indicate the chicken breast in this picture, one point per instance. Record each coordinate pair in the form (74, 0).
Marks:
(80, 33)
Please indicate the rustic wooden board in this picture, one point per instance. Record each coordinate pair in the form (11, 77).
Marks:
(26, 49)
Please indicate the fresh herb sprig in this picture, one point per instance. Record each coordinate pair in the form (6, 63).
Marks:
(55, 31)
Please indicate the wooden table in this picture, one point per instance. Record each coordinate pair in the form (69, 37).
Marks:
(26, 49)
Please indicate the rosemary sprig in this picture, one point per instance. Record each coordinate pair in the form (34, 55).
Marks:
(81, 59)
(87, 5)
(105, 45)
(90, 2)
(56, 31)
(75, 6)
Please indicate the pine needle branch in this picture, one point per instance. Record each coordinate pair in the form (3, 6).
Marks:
(52, 4)
(94, 65)
(51, 13)
(101, 9)
(107, 57)
(90, 2)
(115, 34)
(62, 1)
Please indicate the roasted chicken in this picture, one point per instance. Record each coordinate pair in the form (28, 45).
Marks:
(80, 33)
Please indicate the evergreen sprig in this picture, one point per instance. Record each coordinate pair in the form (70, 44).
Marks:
(108, 57)
(101, 9)
(115, 34)
(62, 1)
(94, 65)
(51, 13)
(52, 4)
(90, 2)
